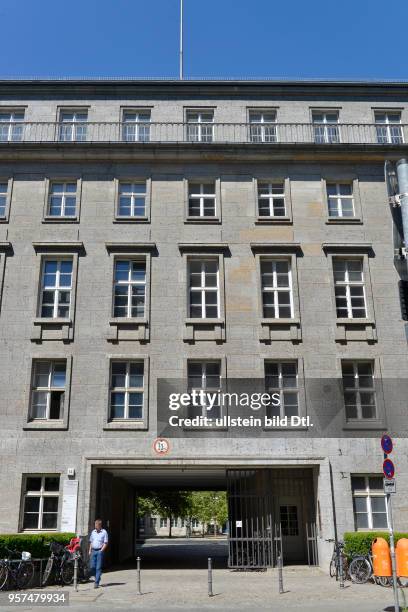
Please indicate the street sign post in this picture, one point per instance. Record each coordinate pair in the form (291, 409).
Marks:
(389, 489)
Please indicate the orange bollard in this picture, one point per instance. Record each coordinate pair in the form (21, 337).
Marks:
(401, 553)
(381, 557)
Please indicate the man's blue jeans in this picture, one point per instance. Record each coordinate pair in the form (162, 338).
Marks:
(96, 565)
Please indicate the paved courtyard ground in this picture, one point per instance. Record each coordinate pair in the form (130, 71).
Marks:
(306, 589)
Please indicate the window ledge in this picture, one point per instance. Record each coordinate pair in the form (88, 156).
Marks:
(125, 321)
(204, 329)
(203, 220)
(345, 321)
(204, 321)
(273, 221)
(131, 220)
(294, 321)
(48, 219)
(52, 329)
(49, 321)
(125, 424)
(344, 221)
(280, 329)
(128, 329)
(362, 425)
(43, 424)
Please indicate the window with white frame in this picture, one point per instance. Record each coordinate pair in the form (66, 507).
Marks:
(204, 293)
(136, 125)
(11, 125)
(281, 377)
(3, 199)
(262, 126)
(388, 126)
(325, 126)
(48, 390)
(153, 521)
(41, 501)
(62, 199)
(340, 200)
(127, 390)
(359, 390)
(132, 199)
(163, 522)
(56, 288)
(204, 376)
(202, 200)
(129, 288)
(73, 125)
(349, 288)
(200, 126)
(271, 199)
(370, 510)
(195, 523)
(277, 292)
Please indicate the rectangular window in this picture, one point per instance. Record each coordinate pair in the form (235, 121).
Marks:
(370, 510)
(359, 390)
(3, 199)
(289, 520)
(73, 125)
(163, 522)
(62, 199)
(48, 390)
(132, 199)
(204, 376)
(129, 288)
(282, 378)
(41, 500)
(325, 126)
(202, 200)
(11, 126)
(349, 288)
(136, 126)
(340, 200)
(262, 126)
(388, 126)
(271, 199)
(277, 292)
(127, 390)
(204, 298)
(200, 126)
(56, 288)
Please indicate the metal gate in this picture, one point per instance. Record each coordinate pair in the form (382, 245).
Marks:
(250, 537)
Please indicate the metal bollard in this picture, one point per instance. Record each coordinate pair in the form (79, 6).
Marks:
(139, 581)
(280, 574)
(210, 584)
(341, 569)
(76, 573)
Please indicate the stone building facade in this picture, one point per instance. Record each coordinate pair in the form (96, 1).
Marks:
(163, 230)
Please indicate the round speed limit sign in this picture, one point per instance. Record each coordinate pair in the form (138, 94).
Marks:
(161, 446)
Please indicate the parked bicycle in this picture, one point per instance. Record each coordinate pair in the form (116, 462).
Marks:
(338, 561)
(19, 573)
(60, 566)
(361, 570)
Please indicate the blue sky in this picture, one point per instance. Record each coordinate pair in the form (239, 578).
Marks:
(223, 38)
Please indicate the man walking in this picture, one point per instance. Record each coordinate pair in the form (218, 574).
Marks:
(98, 543)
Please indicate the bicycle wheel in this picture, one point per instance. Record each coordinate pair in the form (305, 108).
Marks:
(47, 571)
(384, 581)
(332, 568)
(25, 574)
(67, 572)
(403, 581)
(3, 574)
(360, 570)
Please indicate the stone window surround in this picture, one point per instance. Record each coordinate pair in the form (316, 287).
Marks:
(119, 325)
(24, 476)
(127, 424)
(287, 219)
(201, 178)
(65, 327)
(369, 424)
(10, 183)
(136, 178)
(60, 424)
(192, 326)
(302, 400)
(271, 330)
(340, 177)
(222, 360)
(47, 218)
(351, 329)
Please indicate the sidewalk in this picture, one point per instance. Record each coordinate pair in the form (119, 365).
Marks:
(306, 590)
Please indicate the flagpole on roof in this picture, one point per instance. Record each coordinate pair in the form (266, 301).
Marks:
(181, 41)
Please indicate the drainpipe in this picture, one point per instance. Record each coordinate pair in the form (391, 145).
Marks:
(402, 174)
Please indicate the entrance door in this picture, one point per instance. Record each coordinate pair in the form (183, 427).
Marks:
(292, 526)
(249, 519)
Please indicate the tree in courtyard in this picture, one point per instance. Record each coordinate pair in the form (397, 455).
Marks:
(207, 506)
(166, 503)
